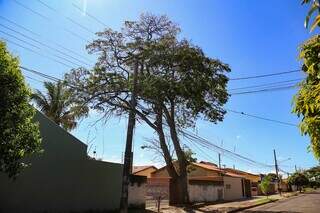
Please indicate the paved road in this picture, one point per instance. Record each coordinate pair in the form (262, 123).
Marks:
(306, 203)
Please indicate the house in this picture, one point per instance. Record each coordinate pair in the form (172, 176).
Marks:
(253, 178)
(206, 183)
(64, 179)
(143, 170)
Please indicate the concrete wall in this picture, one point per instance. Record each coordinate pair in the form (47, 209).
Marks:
(61, 178)
(137, 195)
(205, 192)
(232, 188)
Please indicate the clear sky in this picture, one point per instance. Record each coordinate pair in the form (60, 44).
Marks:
(253, 37)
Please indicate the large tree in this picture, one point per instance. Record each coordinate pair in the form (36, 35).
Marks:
(176, 83)
(57, 103)
(307, 100)
(19, 135)
(298, 179)
(186, 85)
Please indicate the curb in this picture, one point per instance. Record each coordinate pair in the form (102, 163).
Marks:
(252, 206)
(260, 204)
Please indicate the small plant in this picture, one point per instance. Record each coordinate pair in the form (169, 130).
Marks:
(265, 185)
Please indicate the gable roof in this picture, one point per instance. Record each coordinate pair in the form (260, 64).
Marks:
(240, 172)
(211, 167)
(137, 169)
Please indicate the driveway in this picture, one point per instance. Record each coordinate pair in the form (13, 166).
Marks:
(306, 203)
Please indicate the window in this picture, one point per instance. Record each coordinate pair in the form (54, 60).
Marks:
(228, 186)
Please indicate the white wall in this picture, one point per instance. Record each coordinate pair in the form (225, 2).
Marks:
(137, 194)
(235, 190)
(204, 193)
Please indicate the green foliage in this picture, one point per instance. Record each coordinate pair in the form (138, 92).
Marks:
(313, 175)
(171, 72)
(307, 101)
(265, 185)
(299, 179)
(189, 154)
(272, 177)
(314, 8)
(58, 105)
(19, 135)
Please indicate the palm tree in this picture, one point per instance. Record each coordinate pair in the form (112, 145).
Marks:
(58, 105)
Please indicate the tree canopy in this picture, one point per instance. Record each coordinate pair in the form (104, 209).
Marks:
(307, 100)
(19, 135)
(314, 9)
(299, 179)
(58, 105)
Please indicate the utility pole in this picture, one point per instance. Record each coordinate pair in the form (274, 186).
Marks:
(277, 171)
(295, 167)
(128, 150)
(219, 155)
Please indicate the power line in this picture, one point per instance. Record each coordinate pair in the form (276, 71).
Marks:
(45, 45)
(262, 118)
(207, 156)
(49, 77)
(277, 83)
(8, 34)
(203, 142)
(26, 48)
(265, 90)
(31, 10)
(18, 25)
(38, 35)
(264, 75)
(49, 20)
(66, 17)
(34, 79)
(89, 15)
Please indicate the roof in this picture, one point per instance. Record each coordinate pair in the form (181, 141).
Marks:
(213, 167)
(207, 166)
(137, 169)
(206, 178)
(236, 171)
(230, 174)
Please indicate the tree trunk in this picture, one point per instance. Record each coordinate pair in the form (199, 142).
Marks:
(183, 175)
(127, 165)
(178, 180)
(166, 153)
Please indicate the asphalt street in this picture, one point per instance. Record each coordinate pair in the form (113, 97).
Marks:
(306, 203)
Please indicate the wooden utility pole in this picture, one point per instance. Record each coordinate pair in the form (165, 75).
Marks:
(128, 150)
(277, 171)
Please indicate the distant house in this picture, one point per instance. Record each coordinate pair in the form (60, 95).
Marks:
(206, 183)
(254, 179)
(63, 179)
(144, 170)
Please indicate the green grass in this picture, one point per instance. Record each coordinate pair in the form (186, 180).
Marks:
(264, 200)
(308, 190)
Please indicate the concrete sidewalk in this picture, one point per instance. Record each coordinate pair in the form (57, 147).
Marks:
(222, 207)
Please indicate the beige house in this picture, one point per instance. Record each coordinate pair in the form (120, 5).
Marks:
(143, 170)
(207, 183)
(253, 178)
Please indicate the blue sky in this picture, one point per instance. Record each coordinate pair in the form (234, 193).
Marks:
(252, 37)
